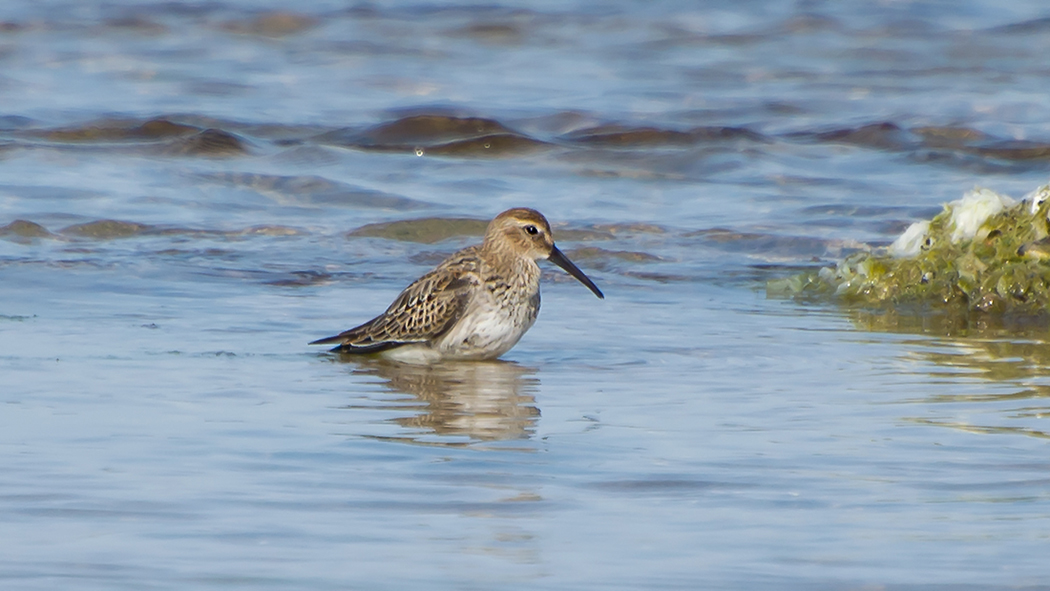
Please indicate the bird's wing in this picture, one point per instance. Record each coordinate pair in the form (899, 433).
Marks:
(424, 311)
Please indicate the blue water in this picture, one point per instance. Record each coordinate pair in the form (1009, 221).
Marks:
(165, 426)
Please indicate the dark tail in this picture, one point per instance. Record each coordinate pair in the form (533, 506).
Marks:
(328, 340)
(356, 349)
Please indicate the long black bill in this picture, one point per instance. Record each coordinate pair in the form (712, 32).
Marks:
(563, 261)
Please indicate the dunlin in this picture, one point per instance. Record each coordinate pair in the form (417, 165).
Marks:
(475, 305)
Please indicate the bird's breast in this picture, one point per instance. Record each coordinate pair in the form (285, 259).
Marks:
(493, 323)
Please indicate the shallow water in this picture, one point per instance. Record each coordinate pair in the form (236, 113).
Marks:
(191, 192)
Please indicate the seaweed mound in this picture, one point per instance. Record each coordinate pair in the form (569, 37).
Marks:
(984, 253)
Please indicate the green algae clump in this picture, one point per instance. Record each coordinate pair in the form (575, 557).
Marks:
(983, 253)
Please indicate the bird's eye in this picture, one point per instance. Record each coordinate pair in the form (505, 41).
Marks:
(531, 230)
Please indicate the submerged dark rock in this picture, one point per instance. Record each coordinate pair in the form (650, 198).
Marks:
(272, 24)
(424, 230)
(490, 146)
(631, 137)
(417, 131)
(21, 230)
(210, 142)
(105, 229)
(314, 190)
(118, 130)
(883, 136)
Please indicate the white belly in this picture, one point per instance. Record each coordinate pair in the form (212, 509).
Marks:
(487, 332)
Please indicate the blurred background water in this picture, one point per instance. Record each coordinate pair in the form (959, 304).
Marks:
(191, 191)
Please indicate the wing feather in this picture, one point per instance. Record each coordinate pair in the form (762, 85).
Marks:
(425, 310)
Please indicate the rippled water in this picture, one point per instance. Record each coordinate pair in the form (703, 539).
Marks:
(190, 192)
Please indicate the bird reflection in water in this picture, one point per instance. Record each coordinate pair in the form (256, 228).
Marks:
(459, 402)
